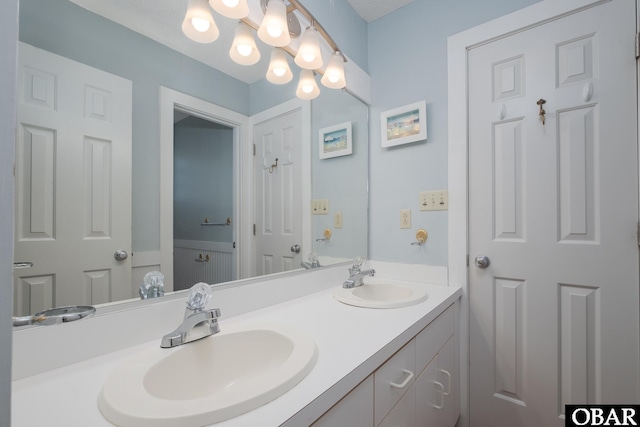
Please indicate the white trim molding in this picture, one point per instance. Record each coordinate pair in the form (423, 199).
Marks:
(458, 47)
(169, 100)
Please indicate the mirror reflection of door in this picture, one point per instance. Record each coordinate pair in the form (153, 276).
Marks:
(202, 201)
(278, 190)
(73, 184)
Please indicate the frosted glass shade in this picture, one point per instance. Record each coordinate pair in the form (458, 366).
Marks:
(307, 86)
(309, 56)
(279, 72)
(198, 22)
(244, 50)
(274, 30)
(234, 9)
(333, 77)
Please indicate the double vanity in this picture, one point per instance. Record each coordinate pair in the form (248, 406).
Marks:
(294, 350)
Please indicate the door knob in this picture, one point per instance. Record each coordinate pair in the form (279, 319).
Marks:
(482, 261)
(295, 249)
(120, 255)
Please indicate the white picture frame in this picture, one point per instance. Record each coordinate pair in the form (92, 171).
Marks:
(335, 141)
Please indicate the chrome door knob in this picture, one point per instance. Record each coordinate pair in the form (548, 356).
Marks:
(482, 261)
(120, 255)
(295, 249)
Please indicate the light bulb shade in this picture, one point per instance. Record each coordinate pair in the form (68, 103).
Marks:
(307, 86)
(279, 72)
(198, 22)
(309, 56)
(333, 77)
(234, 9)
(244, 50)
(274, 30)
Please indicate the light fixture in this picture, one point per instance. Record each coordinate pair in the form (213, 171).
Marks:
(333, 77)
(234, 9)
(244, 50)
(309, 56)
(274, 30)
(307, 86)
(198, 22)
(279, 72)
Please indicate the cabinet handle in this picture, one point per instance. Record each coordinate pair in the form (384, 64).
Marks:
(448, 374)
(439, 384)
(404, 383)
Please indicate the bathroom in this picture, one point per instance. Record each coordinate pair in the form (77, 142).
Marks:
(409, 46)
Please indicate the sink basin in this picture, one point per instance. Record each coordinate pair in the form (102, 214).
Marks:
(382, 293)
(207, 381)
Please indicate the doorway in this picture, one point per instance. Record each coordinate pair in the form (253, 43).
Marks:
(226, 122)
(202, 201)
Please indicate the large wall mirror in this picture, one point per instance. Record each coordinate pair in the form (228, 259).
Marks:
(205, 186)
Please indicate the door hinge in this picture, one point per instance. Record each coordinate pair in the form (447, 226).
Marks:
(254, 149)
(254, 229)
(637, 45)
(467, 260)
(638, 234)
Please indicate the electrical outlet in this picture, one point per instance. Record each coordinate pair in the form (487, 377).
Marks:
(337, 219)
(405, 218)
(434, 200)
(320, 207)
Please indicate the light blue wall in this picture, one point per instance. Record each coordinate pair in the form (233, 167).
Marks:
(8, 37)
(343, 180)
(61, 27)
(203, 181)
(408, 63)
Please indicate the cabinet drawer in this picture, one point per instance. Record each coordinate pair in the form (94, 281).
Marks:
(434, 336)
(393, 379)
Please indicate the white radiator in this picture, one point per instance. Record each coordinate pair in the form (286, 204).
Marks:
(196, 261)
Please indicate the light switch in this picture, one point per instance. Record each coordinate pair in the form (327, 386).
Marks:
(437, 200)
(320, 207)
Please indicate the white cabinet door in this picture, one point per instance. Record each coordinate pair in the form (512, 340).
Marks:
(404, 413)
(354, 410)
(429, 397)
(448, 377)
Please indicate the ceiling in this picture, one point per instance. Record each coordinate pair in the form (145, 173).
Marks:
(370, 10)
(161, 20)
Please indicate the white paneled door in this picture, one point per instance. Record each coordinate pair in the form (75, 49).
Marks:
(73, 183)
(553, 207)
(278, 189)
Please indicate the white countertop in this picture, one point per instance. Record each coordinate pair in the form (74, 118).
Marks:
(352, 342)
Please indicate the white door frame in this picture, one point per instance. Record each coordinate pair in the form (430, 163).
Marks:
(457, 48)
(305, 159)
(242, 153)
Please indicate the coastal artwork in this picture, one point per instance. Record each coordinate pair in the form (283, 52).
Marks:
(335, 141)
(404, 124)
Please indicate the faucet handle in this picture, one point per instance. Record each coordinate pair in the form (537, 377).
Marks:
(199, 296)
(358, 262)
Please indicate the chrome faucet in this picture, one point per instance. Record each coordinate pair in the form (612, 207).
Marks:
(356, 274)
(198, 322)
(313, 262)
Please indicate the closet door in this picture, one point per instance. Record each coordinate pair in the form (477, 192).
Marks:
(553, 208)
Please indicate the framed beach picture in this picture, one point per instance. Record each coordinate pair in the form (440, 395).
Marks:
(403, 125)
(335, 141)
